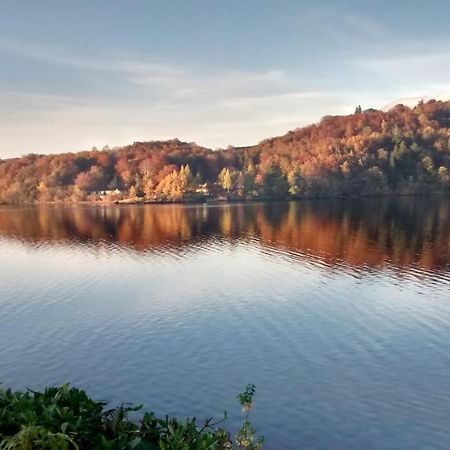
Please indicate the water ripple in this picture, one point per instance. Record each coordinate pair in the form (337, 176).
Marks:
(345, 335)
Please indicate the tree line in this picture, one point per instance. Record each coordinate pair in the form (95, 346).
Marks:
(401, 151)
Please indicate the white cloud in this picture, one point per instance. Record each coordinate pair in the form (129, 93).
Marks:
(404, 62)
(145, 99)
(344, 31)
(50, 123)
(414, 73)
(214, 107)
(147, 72)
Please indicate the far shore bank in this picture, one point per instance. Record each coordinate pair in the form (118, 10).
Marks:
(220, 201)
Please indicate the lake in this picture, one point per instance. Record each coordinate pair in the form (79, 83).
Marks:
(338, 311)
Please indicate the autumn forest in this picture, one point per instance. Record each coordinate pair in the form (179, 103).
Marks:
(402, 151)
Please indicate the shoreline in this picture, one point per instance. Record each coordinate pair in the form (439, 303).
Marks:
(216, 202)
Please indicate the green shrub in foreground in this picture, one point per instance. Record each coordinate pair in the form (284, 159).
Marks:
(66, 418)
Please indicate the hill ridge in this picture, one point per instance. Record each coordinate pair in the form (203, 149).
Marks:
(402, 151)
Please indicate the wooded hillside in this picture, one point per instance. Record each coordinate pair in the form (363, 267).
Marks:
(402, 151)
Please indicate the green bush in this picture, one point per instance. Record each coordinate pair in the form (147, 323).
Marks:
(66, 418)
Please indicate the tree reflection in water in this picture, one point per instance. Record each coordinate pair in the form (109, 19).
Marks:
(401, 233)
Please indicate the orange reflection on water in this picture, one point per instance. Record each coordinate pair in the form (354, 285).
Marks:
(405, 233)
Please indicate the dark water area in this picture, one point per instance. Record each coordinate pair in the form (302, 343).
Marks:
(338, 311)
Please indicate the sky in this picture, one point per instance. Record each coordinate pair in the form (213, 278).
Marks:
(78, 74)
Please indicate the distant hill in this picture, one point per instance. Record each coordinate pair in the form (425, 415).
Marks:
(400, 151)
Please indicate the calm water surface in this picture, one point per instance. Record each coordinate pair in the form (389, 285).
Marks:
(339, 312)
